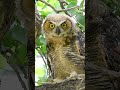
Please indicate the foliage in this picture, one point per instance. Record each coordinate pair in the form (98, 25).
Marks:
(113, 5)
(2, 61)
(14, 46)
(44, 10)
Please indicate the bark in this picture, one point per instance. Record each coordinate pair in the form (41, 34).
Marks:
(102, 42)
(7, 13)
(72, 84)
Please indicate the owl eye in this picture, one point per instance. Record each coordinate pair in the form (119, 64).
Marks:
(64, 25)
(52, 25)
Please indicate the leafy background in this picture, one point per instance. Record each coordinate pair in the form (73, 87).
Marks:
(13, 55)
(44, 10)
(14, 43)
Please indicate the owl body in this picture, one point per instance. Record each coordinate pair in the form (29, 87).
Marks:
(62, 46)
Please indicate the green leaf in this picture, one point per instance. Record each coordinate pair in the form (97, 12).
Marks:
(82, 4)
(36, 52)
(8, 40)
(71, 0)
(42, 40)
(2, 61)
(41, 72)
(81, 19)
(72, 3)
(21, 52)
(38, 43)
(19, 34)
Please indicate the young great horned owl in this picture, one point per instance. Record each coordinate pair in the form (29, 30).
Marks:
(62, 46)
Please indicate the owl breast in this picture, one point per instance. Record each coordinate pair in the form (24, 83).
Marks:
(62, 65)
(63, 52)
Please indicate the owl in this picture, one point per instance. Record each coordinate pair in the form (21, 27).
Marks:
(63, 47)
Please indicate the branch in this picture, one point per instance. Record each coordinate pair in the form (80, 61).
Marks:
(68, 9)
(44, 59)
(18, 75)
(49, 5)
(13, 66)
(38, 22)
(62, 6)
(71, 84)
(61, 10)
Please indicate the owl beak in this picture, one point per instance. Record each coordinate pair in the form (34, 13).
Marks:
(58, 30)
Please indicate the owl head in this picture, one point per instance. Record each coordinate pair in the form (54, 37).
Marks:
(58, 25)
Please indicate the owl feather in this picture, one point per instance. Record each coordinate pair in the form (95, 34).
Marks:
(63, 47)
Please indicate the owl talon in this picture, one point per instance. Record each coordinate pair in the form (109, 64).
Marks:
(58, 80)
(46, 82)
(52, 82)
(76, 76)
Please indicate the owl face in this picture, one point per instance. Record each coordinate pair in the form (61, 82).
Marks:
(57, 25)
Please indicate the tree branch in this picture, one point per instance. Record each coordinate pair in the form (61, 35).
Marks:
(18, 75)
(71, 84)
(49, 5)
(62, 6)
(15, 67)
(68, 9)
(60, 10)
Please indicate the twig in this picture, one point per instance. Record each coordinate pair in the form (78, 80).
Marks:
(61, 10)
(68, 9)
(44, 59)
(62, 6)
(49, 5)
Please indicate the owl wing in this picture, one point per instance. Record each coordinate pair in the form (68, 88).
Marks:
(76, 52)
(81, 40)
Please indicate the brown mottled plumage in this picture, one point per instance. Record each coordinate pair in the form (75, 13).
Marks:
(63, 46)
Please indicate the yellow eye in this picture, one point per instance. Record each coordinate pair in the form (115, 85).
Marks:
(52, 26)
(64, 25)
